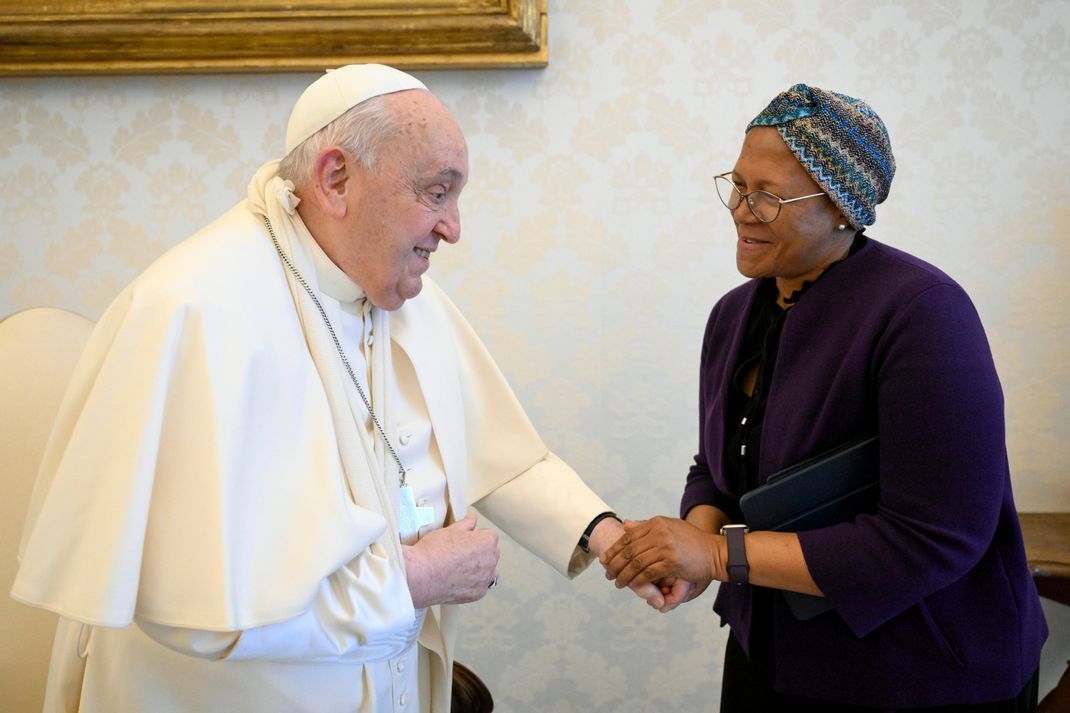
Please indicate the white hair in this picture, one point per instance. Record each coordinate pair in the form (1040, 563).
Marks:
(362, 131)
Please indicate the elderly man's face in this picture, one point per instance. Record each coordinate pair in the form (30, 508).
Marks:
(803, 239)
(403, 209)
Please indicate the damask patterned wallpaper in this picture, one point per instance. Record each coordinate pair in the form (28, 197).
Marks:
(594, 246)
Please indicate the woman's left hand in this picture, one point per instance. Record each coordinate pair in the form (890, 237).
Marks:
(664, 550)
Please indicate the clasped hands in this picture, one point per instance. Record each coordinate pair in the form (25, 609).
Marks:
(674, 556)
(453, 565)
(664, 561)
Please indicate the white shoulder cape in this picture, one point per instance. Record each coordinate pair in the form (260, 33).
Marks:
(193, 476)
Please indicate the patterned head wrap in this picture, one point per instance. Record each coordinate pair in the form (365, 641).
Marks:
(840, 141)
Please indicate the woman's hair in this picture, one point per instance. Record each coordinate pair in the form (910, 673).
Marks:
(361, 131)
(842, 144)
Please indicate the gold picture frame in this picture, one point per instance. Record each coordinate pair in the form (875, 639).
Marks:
(42, 37)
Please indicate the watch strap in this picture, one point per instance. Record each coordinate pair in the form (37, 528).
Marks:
(738, 567)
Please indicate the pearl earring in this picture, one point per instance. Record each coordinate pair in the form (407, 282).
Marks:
(841, 226)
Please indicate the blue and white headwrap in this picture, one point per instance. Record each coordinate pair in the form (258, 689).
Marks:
(840, 141)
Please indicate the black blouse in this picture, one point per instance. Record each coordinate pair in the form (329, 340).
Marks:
(761, 341)
(743, 436)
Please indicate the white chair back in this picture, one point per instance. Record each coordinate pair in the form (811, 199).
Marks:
(38, 351)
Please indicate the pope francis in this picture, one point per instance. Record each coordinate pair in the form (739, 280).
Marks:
(255, 494)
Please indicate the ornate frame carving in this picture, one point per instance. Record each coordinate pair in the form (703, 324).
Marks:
(39, 37)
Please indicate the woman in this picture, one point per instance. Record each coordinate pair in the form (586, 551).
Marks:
(836, 337)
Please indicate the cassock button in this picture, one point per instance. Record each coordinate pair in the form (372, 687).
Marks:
(369, 340)
(401, 701)
(401, 666)
(405, 437)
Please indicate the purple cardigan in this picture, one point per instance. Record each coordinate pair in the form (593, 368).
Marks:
(934, 604)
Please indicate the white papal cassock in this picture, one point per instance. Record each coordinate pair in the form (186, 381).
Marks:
(216, 516)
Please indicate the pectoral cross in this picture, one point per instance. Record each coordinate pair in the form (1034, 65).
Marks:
(412, 518)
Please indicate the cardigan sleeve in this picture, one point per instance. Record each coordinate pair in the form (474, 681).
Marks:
(700, 488)
(943, 466)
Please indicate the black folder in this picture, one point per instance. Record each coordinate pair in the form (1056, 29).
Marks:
(825, 490)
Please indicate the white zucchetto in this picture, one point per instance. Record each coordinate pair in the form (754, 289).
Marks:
(338, 91)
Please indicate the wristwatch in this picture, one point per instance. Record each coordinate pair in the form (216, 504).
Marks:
(738, 568)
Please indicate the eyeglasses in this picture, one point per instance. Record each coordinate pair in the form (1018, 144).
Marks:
(762, 204)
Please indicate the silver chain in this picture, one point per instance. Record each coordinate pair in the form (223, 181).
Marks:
(338, 346)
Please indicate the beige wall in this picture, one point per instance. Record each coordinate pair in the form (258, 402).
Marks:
(594, 247)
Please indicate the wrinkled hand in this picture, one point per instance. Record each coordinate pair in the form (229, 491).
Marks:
(677, 591)
(680, 557)
(453, 565)
(651, 594)
(605, 534)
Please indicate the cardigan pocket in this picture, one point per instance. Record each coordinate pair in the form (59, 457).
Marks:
(937, 632)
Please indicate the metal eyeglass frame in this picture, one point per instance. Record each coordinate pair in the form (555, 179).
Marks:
(746, 198)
